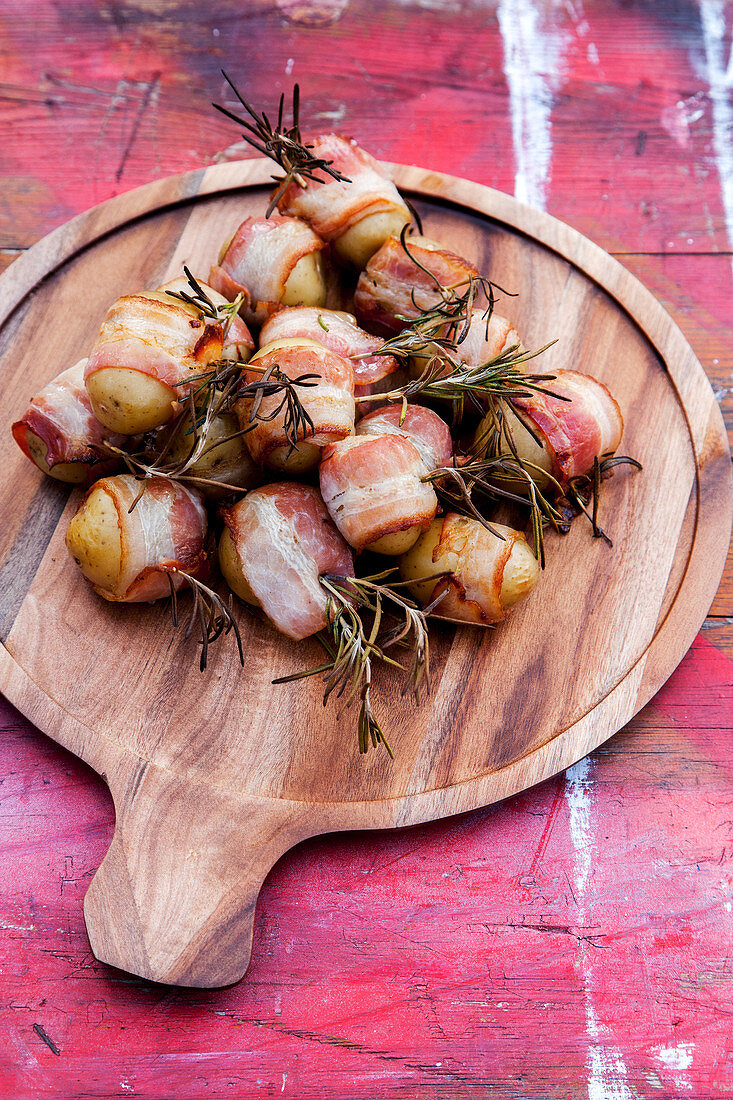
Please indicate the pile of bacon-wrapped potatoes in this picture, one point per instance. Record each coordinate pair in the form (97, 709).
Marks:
(357, 478)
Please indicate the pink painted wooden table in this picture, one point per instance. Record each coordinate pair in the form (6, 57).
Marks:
(577, 940)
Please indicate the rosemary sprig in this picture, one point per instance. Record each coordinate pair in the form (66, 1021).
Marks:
(214, 617)
(223, 314)
(498, 378)
(455, 487)
(353, 647)
(283, 144)
(586, 488)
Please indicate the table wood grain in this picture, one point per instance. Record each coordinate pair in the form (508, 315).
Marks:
(574, 941)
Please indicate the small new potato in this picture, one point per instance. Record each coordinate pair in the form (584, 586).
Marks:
(473, 568)
(306, 284)
(94, 541)
(396, 543)
(534, 454)
(72, 473)
(224, 459)
(128, 401)
(359, 243)
(231, 568)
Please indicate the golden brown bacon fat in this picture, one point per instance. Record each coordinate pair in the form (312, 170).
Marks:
(394, 285)
(260, 259)
(284, 541)
(129, 556)
(60, 433)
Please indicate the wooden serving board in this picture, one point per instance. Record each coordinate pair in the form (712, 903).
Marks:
(216, 775)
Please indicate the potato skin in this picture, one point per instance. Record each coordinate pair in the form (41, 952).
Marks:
(396, 543)
(229, 461)
(536, 455)
(520, 573)
(231, 568)
(306, 284)
(72, 473)
(93, 539)
(128, 401)
(359, 243)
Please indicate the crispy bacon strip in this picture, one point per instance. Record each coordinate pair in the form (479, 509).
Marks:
(259, 259)
(577, 431)
(165, 532)
(163, 339)
(339, 332)
(332, 207)
(61, 417)
(330, 403)
(424, 428)
(285, 541)
(372, 487)
(476, 559)
(393, 286)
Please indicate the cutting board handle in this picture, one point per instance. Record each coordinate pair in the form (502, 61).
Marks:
(174, 898)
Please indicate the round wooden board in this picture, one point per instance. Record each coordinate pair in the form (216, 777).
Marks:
(215, 775)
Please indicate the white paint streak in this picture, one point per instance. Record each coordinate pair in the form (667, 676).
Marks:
(719, 75)
(607, 1077)
(532, 64)
(677, 1059)
(578, 797)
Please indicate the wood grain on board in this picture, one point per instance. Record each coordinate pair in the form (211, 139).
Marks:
(607, 628)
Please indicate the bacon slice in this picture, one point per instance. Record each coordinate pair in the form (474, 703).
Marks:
(339, 332)
(238, 341)
(157, 337)
(393, 285)
(285, 541)
(486, 339)
(164, 533)
(429, 435)
(329, 403)
(61, 417)
(259, 260)
(372, 487)
(576, 431)
(476, 559)
(332, 207)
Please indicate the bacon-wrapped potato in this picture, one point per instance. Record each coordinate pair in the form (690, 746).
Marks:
(562, 437)
(274, 262)
(277, 541)
(357, 216)
(372, 486)
(486, 339)
(393, 286)
(224, 459)
(339, 332)
(60, 433)
(428, 433)
(329, 403)
(128, 557)
(149, 347)
(486, 576)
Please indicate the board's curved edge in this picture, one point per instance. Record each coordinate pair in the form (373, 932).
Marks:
(712, 455)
